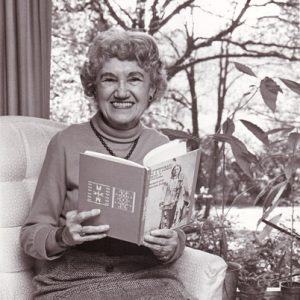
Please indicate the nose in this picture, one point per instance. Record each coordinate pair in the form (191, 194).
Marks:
(121, 91)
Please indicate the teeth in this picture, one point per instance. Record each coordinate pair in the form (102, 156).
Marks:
(122, 104)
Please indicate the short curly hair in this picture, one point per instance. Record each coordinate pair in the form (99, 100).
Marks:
(124, 45)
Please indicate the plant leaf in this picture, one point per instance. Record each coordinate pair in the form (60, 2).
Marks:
(257, 131)
(268, 229)
(178, 134)
(244, 69)
(293, 140)
(272, 199)
(222, 138)
(283, 129)
(282, 258)
(276, 142)
(243, 157)
(274, 194)
(292, 165)
(260, 195)
(269, 90)
(292, 85)
(228, 127)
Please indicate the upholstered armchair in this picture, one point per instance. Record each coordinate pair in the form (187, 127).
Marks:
(23, 143)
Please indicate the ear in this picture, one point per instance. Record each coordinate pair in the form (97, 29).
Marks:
(152, 91)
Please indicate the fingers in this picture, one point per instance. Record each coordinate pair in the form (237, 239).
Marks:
(84, 215)
(162, 236)
(165, 233)
(74, 216)
(163, 253)
(162, 242)
(89, 238)
(157, 248)
(75, 233)
(94, 229)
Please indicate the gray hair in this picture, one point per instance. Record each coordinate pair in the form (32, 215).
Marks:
(124, 45)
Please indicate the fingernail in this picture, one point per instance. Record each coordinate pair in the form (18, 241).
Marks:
(96, 211)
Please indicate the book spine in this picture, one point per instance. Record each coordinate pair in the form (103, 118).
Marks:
(144, 206)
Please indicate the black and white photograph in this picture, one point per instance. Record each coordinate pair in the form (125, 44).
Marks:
(100, 103)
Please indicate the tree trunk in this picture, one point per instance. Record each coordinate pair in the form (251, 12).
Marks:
(192, 84)
(140, 12)
(222, 89)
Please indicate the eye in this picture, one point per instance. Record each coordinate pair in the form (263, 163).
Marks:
(134, 79)
(108, 79)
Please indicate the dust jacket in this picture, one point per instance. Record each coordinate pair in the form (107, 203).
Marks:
(134, 198)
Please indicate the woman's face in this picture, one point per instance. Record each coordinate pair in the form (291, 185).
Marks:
(176, 170)
(123, 90)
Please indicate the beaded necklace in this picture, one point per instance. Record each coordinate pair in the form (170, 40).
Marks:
(109, 150)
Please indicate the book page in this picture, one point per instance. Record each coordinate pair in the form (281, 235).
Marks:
(164, 152)
(113, 158)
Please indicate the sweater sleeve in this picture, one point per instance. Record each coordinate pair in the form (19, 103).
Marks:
(42, 222)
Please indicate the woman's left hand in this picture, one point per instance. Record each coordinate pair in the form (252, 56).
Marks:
(162, 242)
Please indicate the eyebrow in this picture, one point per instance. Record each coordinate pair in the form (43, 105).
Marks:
(130, 74)
(136, 73)
(107, 74)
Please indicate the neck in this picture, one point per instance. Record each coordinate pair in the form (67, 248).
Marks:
(113, 134)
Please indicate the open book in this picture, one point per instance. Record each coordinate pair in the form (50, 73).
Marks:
(134, 198)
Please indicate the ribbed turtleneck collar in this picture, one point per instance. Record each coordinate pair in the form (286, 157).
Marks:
(115, 135)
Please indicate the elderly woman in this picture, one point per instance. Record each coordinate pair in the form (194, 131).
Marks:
(124, 75)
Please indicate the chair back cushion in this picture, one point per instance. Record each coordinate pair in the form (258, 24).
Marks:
(23, 144)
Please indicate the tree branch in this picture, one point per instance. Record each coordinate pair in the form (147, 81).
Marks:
(114, 15)
(160, 23)
(172, 43)
(235, 23)
(244, 45)
(173, 70)
(279, 3)
(182, 99)
(126, 13)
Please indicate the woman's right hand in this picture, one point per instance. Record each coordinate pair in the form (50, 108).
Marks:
(75, 233)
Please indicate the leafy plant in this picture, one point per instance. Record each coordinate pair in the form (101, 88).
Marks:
(264, 256)
(273, 192)
(263, 259)
(208, 235)
(259, 265)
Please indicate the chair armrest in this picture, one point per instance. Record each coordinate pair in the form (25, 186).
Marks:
(16, 285)
(201, 273)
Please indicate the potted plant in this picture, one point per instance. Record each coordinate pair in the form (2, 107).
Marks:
(251, 166)
(261, 259)
(272, 193)
(290, 290)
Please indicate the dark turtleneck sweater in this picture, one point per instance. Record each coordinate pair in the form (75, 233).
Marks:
(57, 188)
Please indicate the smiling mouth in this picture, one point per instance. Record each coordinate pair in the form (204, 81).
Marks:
(122, 104)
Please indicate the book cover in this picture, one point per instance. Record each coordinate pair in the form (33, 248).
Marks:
(171, 192)
(133, 198)
(118, 190)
